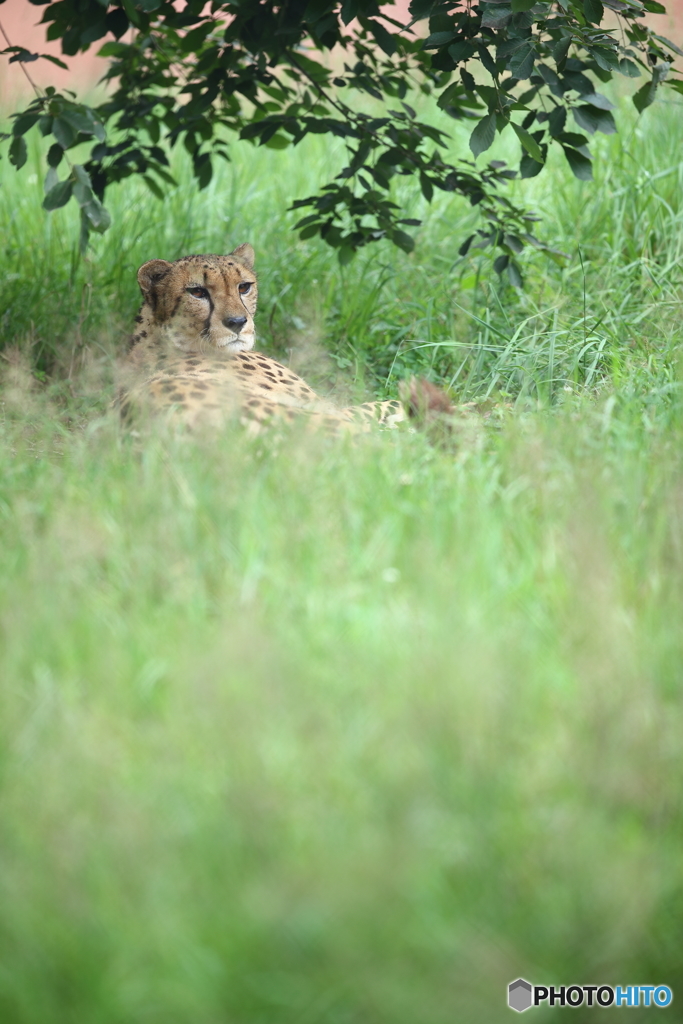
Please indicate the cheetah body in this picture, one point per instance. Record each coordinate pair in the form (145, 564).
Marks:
(192, 353)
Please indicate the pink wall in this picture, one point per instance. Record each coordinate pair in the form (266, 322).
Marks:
(20, 20)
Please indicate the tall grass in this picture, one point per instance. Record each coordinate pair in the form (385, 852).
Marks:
(319, 732)
(338, 733)
(387, 314)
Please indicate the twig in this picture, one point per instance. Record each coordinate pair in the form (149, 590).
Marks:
(23, 66)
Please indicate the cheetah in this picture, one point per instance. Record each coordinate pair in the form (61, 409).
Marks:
(192, 354)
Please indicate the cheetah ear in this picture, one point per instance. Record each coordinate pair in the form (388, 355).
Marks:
(245, 254)
(150, 273)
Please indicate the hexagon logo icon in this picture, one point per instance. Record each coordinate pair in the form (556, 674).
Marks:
(519, 995)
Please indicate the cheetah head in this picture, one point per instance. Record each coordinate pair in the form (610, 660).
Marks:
(200, 303)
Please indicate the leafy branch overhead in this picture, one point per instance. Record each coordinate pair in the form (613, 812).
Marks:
(256, 69)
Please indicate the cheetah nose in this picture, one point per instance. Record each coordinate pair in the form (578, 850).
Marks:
(235, 323)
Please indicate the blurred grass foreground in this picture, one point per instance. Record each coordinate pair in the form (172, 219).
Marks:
(332, 733)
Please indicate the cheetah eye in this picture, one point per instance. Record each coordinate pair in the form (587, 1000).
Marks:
(244, 287)
(198, 293)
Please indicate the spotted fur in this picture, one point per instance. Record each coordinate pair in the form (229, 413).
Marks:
(192, 353)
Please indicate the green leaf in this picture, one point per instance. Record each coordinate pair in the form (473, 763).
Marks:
(628, 68)
(592, 120)
(522, 5)
(427, 187)
(82, 193)
(21, 54)
(522, 63)
(251, 131)
(528, 142)
(607, 60)
(645, 96)
(113, 50)
(383, 37)
(84, 233)
(59, 195)
(203, 169)
(515, 274)
(116, 20)
(95, 29)
(488, 93)
(97, 215)
(594, 11)
(402, 240)
(551, 79)
(486, 59)
(467, 80)
(55, 155)
(17, 151)
(667, 42)
(528, 167)
(464, 248)
(596, 99)
(514, 242)
(560, 51)
(193, 40)
(572, 139)
(461, 50)
(23, 123)
(349, 10)
(51, 179)
(437, 39)
(418, 8)
(483, 135)
(82, 176)
(581, 165)
(55, 60)
(496, 16)
(64, 133)
(152, 186)
(278, 142)
(556, 121)
(81, 120)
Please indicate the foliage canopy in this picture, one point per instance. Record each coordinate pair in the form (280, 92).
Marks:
(202, 74)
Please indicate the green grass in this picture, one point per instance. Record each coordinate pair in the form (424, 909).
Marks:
(387, 314)
(314, 732)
